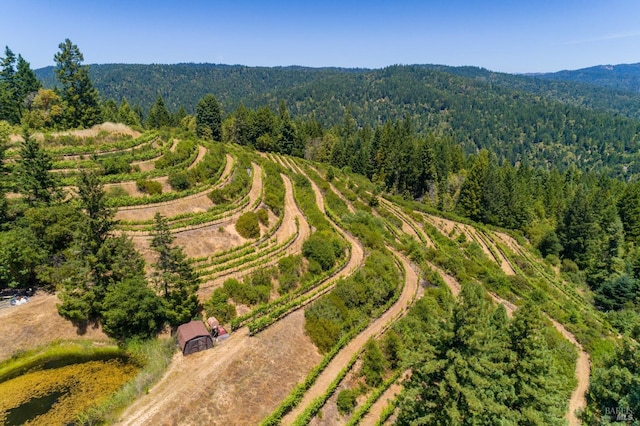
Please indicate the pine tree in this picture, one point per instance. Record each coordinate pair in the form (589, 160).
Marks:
(174, 276)
(209, 118)
(464, 383)
(470, 201)
(537, 397)
(35, 180)
(126, 115)
(99, 216)
(8, 107)
(159, 116)
(98, 261)
(579, 230)
(81, 98)
(5, 130)
(629, 207)
(26, 83)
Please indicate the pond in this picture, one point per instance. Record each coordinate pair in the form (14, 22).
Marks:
(51, 392)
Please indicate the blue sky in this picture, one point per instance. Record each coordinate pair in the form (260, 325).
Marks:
(509, 36)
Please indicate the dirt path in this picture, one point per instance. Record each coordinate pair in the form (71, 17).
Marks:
(202, 151)
(189, 386)
(449, 227)
(199, 202)
(285, 231)
(450, 281)
(406, 298)
(37, 323)
(337, 192)
(409, 226)
(132, 188)
(236, 383)
(372, 417)
(578, 399)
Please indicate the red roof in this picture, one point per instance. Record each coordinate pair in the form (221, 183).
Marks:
(190, 331)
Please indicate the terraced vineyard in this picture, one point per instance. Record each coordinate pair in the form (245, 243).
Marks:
(270, 370)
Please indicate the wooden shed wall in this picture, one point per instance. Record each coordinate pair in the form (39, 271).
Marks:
(197, 344)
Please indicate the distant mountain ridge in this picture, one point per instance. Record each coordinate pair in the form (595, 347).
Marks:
(624, 77)
(521, 118)
(614, 89)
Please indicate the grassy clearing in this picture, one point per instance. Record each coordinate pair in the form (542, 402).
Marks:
(100, 380)
(154, 356)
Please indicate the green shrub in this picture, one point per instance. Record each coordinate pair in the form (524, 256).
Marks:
(183, 151)
(314, 267)
(179, 181)
(570, 266)
(217, 196)
(324, 248)
(116, 192)
(290, 264)
(255, 289)
(217, 306)
(115, 165)
(347, 399)
(150, 187)
(263, 217)
(248, 225)
(373, 363)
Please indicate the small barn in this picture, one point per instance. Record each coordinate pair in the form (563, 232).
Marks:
(194, 337)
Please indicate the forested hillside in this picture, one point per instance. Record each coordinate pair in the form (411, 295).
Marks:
(184, 84)
(518, 118)
(623, 77)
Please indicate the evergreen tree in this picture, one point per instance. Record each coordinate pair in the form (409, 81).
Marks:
(537, 397)
(9, 109)
(464, 383)
(240, 131)
(209, 118)
(159, 116)
(5, 130)
(109, 111)
(26, 80)
(34, 177)
(471, 192)
(99, 217)
(126, 115)
(616, 385)
(179, 116)
(287, 139)
(132, 310)
(81, 98)
(629, 207)
(174, 276)
(579, 230)
(98, 261)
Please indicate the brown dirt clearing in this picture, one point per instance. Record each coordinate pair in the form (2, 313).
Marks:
(237, 383)
(37, 323)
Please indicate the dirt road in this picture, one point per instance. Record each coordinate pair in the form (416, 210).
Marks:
(233, 384)
(406, 298)
(189, 204)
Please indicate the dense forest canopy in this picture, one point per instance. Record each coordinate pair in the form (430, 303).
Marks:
(544, 123)
(622, 77)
